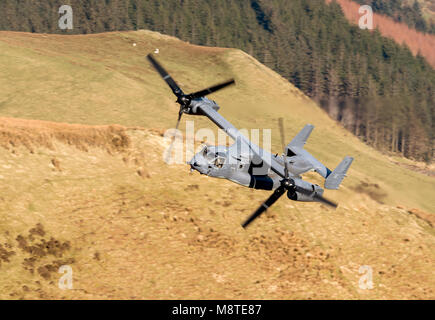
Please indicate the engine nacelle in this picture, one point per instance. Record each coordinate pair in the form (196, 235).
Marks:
(193, 109)
(297, 196)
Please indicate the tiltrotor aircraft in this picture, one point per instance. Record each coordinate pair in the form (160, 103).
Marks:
(249, 165)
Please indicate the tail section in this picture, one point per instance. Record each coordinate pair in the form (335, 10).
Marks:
(334, 179)
(301, 138)
(296, 147)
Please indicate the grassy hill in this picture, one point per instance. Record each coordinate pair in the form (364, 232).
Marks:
(100, 198)
(378, 89)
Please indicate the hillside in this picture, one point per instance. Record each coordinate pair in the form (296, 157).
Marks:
(96, 195)
(375, 87)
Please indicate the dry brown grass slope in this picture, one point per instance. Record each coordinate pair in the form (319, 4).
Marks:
(99, 197)
(102, 79)
(132, 227)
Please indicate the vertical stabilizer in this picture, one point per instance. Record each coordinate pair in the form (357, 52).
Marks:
(296, 147)
(334, 179)
(301, 138)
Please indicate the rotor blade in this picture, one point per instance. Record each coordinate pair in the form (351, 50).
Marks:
(169, 153)
(319, 198)
(207, 91)
(265, 205)
(281, 128)
(165, 75)
(325, 201)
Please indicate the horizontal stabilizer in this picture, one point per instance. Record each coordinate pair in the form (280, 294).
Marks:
(334, 180)
(301, 138)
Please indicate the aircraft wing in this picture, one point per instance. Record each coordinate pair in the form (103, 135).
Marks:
(229, 129)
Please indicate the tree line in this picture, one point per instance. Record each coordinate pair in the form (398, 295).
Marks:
(376, 88)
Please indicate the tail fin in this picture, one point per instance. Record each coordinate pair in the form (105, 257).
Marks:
(296, 147)
(334, 179)
(301, 138)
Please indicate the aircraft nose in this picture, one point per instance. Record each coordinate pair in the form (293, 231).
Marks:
(199, 164)
(193, 164)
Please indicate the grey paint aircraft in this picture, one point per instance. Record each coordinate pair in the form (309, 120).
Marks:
(249, 165)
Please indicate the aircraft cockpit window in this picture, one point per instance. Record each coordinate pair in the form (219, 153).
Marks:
(219, 162)
(217, 159)
(204, 151)
(208, 155)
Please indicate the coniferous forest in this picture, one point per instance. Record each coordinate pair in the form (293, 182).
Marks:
(376, 88)
(412, 15)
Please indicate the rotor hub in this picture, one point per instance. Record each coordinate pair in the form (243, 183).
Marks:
(183, 100)
(287, 183)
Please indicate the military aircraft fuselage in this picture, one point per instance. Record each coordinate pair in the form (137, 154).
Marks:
(244, 169)
(246, 163)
